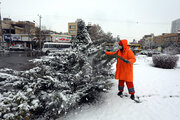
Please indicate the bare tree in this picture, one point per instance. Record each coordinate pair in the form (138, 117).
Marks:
(96, 32)
(98, 36)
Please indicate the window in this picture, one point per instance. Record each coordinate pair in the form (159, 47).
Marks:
(65, 46)
(72, 27)
(45, 46)
(51, 46)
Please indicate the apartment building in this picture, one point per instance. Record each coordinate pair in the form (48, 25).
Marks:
(14, 29)
(175, 27)
(20, 27)
(164, 40)
(146, 41)
(72, 28)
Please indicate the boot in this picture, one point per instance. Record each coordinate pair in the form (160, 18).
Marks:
(132, 97)
(119, 94)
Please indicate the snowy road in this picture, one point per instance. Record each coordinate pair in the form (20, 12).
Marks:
(158, 89)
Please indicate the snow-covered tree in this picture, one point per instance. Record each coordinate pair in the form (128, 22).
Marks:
(58, 83)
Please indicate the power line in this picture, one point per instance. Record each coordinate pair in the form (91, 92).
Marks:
(103, 19)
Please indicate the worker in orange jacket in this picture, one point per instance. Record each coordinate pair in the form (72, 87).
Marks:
(124, 67)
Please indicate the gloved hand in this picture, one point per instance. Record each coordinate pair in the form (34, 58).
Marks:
(126, 61)
(103, 52)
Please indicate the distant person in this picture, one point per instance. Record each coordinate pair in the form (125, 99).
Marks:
(124, 67)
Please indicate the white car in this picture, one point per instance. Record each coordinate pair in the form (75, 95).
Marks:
(1, 49)
(18, 47)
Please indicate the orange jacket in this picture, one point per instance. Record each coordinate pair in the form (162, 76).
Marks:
(124, 71)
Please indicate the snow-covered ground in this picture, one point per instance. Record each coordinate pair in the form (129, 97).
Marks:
(158, 89)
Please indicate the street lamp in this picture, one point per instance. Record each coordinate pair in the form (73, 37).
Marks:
(1, 33)
(39, 30)
(37, 35)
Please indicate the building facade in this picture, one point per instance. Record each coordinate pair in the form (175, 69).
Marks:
(175, 27)
(147, 41)
(72, 29)
(32, 41)
(20, 27)
(164, 40)
(15, 28)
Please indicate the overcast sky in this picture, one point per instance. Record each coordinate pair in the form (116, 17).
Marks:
(130, 19)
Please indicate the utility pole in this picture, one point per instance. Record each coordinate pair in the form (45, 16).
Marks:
(40, 30)
(1, 31)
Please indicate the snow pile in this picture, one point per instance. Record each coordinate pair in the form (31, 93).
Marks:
(59, 82)
(165, 61)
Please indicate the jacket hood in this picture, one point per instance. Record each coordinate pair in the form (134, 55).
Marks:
(123, 43)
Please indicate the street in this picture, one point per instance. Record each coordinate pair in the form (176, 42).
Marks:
(18, 60)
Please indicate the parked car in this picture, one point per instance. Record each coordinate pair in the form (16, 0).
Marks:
(149, 52)
(143, 52)
(156, 52)
(1, 49)
(18, 47)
